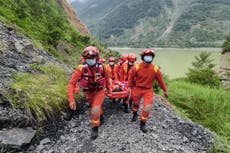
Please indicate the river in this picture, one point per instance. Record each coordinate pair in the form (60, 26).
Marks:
(175, 61)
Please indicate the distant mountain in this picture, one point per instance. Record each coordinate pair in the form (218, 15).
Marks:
(164, 23)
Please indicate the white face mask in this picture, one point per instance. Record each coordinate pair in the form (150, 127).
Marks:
(111, 63)
(148, 59)
(91, 62)
(131, 63)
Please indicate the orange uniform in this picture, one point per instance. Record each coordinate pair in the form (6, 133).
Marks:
(145, 75)
(91, 80)
(117, 71)
(124, 71)
(112, 71)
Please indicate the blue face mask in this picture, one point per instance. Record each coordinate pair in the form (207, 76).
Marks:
(148, 59)
(91, 62)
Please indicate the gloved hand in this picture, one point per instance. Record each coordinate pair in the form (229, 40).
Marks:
(166, 94)
(72, 105)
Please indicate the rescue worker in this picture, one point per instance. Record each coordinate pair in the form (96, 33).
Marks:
(124, 73)
(145, 73)
(111, 69)
(121, 61)
(93, 78)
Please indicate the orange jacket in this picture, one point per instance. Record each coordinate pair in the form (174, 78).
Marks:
(73, 87)
(145, 75)
(112, 71)
(124, 71)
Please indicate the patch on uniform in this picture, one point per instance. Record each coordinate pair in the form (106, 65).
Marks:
(95, 110)
(156, 68)
(148, 108)
(80, 67)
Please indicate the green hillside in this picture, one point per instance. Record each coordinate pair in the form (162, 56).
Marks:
(165, 23)
(46, 23)
(44, 85)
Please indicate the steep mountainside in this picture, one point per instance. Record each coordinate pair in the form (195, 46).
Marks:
(166, 23)
(40, 44)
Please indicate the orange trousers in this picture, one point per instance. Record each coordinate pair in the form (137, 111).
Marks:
(147, 95)
(95, 99)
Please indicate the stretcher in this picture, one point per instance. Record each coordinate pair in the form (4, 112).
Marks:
(119, 90)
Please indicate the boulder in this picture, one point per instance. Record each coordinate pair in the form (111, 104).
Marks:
(16, 137)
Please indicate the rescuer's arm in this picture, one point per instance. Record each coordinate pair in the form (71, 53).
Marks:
(72, 86)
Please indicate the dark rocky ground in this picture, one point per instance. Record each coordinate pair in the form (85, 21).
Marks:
(167, 133)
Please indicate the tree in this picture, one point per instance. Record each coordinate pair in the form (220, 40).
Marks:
(226, 45)
(202, 72)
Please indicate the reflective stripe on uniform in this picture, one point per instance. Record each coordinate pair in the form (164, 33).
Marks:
(137, 67)
(143, 118)
(95, 121)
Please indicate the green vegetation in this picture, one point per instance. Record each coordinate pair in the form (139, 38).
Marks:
(206, 106)
(202, 72)
(226, 45)
(142, 23)
(47, 24)
(201, 98)
(44, 94)
(43, 21)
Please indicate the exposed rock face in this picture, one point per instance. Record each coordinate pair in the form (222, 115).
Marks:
(16, 137)
(74, 21)
(167, 133)
(17, 54)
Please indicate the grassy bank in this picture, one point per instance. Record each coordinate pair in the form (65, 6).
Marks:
(206, 106)
(43, 95)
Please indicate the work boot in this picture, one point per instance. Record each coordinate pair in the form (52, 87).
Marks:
(126, 108)
(134, 117)
(68, 115)
(94, 133)
(143, 127)
(102, 119)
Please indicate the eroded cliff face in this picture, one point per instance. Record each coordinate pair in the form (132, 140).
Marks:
(74, 21)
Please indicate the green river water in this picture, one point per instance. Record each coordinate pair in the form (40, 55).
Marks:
(175, 61)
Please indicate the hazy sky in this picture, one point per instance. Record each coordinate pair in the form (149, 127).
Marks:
(76, 0)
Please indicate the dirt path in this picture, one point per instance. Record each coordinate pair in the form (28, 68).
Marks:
(167, 133)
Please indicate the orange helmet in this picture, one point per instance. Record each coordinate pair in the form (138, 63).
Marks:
(147, 51)
(90, 52)
(111, 59)
(124, 57)
(102, 60)
(132, 57)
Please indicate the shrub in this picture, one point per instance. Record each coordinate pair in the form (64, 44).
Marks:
(226, 45)
(202, 72)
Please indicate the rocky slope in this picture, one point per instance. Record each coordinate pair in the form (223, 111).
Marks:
(167, 133)
(17, 55)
